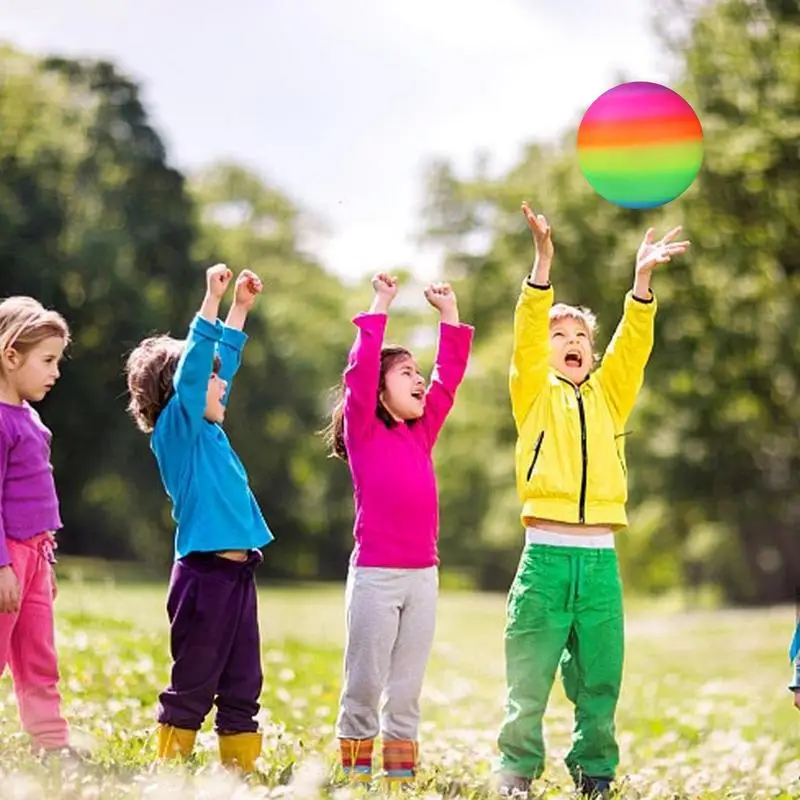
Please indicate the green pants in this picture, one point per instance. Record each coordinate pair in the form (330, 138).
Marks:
(564, 607)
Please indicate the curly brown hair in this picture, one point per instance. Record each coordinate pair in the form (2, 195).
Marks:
(150, 370)
(334, 433)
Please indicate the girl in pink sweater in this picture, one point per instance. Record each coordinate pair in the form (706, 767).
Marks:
(32, 342)
(385, 426)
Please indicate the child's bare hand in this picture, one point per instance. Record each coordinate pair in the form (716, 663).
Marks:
(9, 591)
(385, 291)
(218, 278)
(444, 300)
(542, 234)
(248, 287)
(441, 296)
(797, 699)
(652, 253)
(385, 286)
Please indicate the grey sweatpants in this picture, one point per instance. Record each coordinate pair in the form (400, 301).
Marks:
(391, 617)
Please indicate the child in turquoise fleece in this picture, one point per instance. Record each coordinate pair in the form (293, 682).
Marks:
(794, 657)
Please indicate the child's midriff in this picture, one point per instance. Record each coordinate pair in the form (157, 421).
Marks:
(233, 555)
(568, 528)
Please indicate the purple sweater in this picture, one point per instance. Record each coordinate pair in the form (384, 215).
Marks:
(28, 498)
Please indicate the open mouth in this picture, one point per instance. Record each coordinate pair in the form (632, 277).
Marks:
(418, 394)
(573, 358)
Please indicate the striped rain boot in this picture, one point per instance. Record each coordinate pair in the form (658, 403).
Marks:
(400, 760)
(356, 757)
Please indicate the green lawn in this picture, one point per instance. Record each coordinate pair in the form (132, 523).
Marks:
(705, 712)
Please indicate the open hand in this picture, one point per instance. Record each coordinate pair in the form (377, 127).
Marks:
(651, 253)
(218, 278)
(9, 591)
(248, 287)
(542, 234)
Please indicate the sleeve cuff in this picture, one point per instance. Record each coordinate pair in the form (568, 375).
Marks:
(202, 327)
(641, 301)
(233, 337)
(367, 321)
(461, 331)
(640, 306)
(529, 287)
(458, 326)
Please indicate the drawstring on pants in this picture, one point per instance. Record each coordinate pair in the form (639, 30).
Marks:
(44, 544)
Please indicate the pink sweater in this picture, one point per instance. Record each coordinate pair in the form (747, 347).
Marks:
(394, 485)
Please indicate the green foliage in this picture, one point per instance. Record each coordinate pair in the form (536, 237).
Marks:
(97, 225)
(714, 442)
(96, 222)
(691, 723)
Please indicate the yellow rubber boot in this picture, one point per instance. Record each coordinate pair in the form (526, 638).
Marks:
(240, 750)
(356, 759)
(174, 742)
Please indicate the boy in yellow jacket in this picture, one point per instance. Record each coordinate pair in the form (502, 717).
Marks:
(565, 605)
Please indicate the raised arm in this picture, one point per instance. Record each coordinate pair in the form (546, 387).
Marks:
(248, 287)
(794, 657)
(363, 371)
(197, 360)
(452, 356)
(530, 357)
(230, 349)
(621, 372)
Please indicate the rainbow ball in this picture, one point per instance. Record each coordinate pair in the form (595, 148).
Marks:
(640, 145)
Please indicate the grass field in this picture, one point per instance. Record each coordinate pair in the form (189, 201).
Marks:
(705, 712)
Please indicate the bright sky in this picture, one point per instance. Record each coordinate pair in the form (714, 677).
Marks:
(341, 103)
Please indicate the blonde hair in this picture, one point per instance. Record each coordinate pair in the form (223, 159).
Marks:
(25, 322)
(583, 315)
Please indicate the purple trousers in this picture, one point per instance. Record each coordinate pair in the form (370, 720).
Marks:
(215, 644)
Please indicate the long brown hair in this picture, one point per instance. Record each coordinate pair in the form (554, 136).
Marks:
(334, 433)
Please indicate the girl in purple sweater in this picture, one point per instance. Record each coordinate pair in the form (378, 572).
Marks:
(385, 426)
(32, 341)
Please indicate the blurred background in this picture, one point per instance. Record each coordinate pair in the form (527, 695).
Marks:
(319, 142)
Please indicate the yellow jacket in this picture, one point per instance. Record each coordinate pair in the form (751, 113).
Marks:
(570, 453)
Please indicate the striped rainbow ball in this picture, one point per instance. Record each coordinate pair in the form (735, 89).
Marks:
(640, 145)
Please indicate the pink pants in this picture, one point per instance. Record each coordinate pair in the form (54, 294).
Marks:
(27, 645)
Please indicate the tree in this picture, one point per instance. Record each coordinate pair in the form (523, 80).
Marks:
(714, 442)
(95, 223)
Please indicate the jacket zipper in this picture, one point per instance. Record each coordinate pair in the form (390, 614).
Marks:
(584, 453)
(535, 455)
(584, 457)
